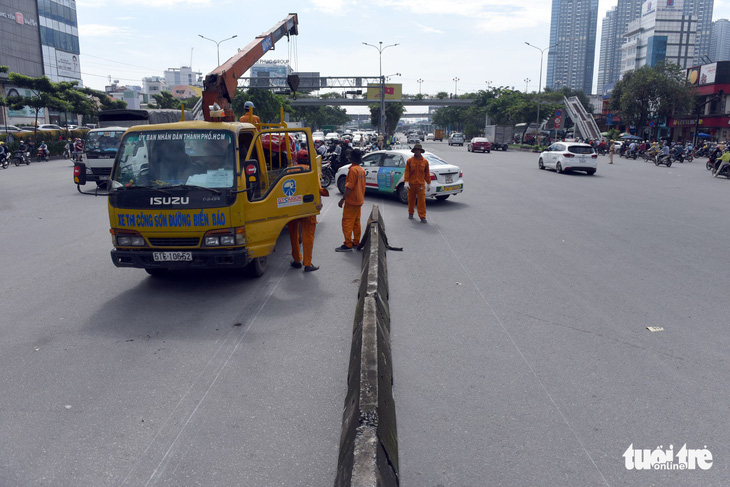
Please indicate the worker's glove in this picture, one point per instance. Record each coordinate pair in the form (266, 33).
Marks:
(406, 185)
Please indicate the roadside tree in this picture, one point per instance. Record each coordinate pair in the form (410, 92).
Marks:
(652, 93)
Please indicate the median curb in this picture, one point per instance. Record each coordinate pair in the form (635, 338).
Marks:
(369, 442)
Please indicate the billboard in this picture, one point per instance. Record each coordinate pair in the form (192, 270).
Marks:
(67, 64)
(25, 112)
(393, 92)
(708, 73)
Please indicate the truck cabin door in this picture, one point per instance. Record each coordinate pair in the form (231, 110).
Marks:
(278, 188)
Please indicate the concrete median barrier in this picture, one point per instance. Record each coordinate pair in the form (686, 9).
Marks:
(369, 442)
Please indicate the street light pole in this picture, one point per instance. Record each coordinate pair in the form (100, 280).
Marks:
(526, 80)
(539, 88)
(217, 45)
(380, 49)
(456, 84)
(419, 81)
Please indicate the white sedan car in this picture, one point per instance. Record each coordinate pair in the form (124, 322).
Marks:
(569, 156)
(384, 173)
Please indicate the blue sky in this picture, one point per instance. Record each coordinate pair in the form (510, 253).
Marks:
(473, 40)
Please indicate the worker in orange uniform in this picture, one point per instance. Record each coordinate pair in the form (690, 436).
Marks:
(308, 224)
(353, 200)
(417, 179)
(249, 117)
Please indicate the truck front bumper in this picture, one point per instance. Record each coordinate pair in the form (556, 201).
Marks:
(201, 259)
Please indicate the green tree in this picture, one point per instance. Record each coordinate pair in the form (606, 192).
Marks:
(393, 112)
(317, 116)
(267, 104)
(165, 100)
(652, 93)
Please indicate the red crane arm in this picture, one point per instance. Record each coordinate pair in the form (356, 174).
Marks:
(220, 85)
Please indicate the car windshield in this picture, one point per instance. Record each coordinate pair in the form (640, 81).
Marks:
(433, 159)
(107, 141)
(479, 139)
(580, 149)
(173, 157)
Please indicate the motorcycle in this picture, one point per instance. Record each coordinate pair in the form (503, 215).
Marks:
(711, 163)
(67, 153)
(666, 160)
(688, 156)
(41, 155)
(21, 157)
(678, 157)
(328, 174)
(4, 160)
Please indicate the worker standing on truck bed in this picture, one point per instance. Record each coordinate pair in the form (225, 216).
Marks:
(249, 117)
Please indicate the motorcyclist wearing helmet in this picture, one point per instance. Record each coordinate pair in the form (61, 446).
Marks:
(43, 148)
(724, 160)
(249, 117)
(3, 150)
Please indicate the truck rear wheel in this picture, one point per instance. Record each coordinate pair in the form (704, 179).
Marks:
(256, 267)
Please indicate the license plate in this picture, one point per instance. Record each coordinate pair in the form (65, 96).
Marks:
(172, 256)
(449, 179)
(103, 178)
(582, 160)
(442, 189)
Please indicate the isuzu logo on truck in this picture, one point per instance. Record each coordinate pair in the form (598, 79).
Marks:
(169, 200)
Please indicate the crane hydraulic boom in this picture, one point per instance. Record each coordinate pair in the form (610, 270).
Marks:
(220, 85)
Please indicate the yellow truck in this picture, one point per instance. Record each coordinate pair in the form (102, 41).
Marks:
(195, 195)
(214, 193)
(438, 134)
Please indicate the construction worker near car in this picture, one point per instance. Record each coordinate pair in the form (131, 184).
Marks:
(308, 226)
(417, 178)
(352, 200)
(249, 117)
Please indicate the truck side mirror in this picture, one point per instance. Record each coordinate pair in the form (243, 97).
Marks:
(251, 173)
(80, 173)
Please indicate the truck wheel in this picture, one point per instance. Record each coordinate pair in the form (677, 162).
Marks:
(157, 271)
(256, 267)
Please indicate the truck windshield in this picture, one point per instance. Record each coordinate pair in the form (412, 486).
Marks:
(106, 141)
(166, 158)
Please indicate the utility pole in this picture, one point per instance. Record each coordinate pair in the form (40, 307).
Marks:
(380, 49)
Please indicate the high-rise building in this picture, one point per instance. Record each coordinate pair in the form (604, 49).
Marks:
(59, 39)
(573, 26)
(664, 32)
(701, 10)
(612, 38)
(720, 41)
(38, 38)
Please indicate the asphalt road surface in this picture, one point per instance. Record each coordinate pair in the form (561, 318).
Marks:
(519, 331)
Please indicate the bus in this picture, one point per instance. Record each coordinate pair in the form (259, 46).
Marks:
(524, 133)
(129, 118)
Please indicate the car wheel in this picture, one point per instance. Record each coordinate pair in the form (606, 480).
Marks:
(443, 197)
(558, 168)
(591, 172)
(256, 267)
(341, 184)
(402, 194)
(540, 164)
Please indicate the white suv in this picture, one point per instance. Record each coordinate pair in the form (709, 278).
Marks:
(456, 138)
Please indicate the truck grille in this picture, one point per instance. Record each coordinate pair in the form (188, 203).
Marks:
(175, 242)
